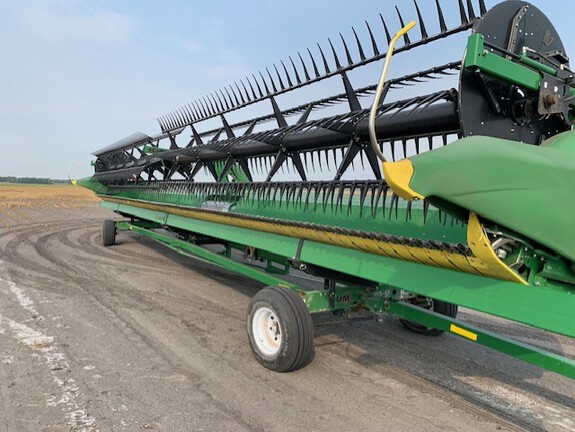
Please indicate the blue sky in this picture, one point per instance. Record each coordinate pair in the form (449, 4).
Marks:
(78, 75)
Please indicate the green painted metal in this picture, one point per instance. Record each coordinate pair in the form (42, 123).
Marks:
(316, 301)
(405, 220)
(477, 56)
(526, 60)
(528, 76)
(519, 350)
(92, 184)
(382, 299)
(151, 150)
(236, 172)
(536, 178)
(195, 251)
(547, 307)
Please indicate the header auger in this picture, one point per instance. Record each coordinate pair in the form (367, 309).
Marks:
(471, 207)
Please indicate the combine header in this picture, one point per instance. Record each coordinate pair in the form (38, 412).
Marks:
(402, 206)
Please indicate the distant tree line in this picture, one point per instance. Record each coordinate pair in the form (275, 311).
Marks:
(30, 180)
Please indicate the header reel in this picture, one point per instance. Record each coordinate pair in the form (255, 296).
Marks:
(515, 83)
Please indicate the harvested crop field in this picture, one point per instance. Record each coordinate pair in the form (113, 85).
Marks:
(136, 337)
(44, 196)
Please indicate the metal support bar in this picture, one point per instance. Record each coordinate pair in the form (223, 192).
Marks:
(194, 251)
(478, 57)
(377, 300)
(528, 353)
(316, 301)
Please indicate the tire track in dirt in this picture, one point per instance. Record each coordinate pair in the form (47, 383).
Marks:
(66, 244)
(134, 297)
(115, 301)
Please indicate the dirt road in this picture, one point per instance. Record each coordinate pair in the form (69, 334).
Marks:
(135, 337)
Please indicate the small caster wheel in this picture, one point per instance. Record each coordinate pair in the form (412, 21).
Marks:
(280, 329)
(108, 232)
(441, 307)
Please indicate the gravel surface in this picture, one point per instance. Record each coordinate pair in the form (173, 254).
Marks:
(135, 337)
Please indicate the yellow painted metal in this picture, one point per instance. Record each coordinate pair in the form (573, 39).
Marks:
(398, 175)
(379, 89)
(462, 332)
(485, 258)
(481, 263)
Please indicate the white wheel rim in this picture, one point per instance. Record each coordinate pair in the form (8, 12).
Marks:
(267, 331)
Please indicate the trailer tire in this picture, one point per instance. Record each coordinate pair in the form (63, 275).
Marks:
(280, 329)
(108, 232)
(440, 307)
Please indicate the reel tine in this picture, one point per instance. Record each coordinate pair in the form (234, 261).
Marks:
(387, 35)
(213, 104)
(186, 114)
(235, 96)
(305, 72)
(373, 43)
(168, 121)
(240, 93)
(210, 105)
(182, 116)
(225, 100)
(248, 97)
(258, 86)
(470, 10)
(316, 71)
(208, 110)
(158, 119)
(220, 107)
(442, 25)
(305, 115)
(422, 28)
(204, 109)
(201, 109)
(325, 65)
(297, 78)
(195, 111)
(337, 64)
(265, 83)
(359, 47)
(482, 8)
(402, 23)
(462, 13)
(347, 53)
(279, 77)
(271, 80)
(253, 95)
(221, 104)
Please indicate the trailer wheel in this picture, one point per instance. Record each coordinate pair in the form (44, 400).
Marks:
(441, 307)
(108, 232)
(280, 329)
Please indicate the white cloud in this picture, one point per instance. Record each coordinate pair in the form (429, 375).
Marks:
(60, 22)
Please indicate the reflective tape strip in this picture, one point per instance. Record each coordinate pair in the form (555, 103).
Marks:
(462, 332)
